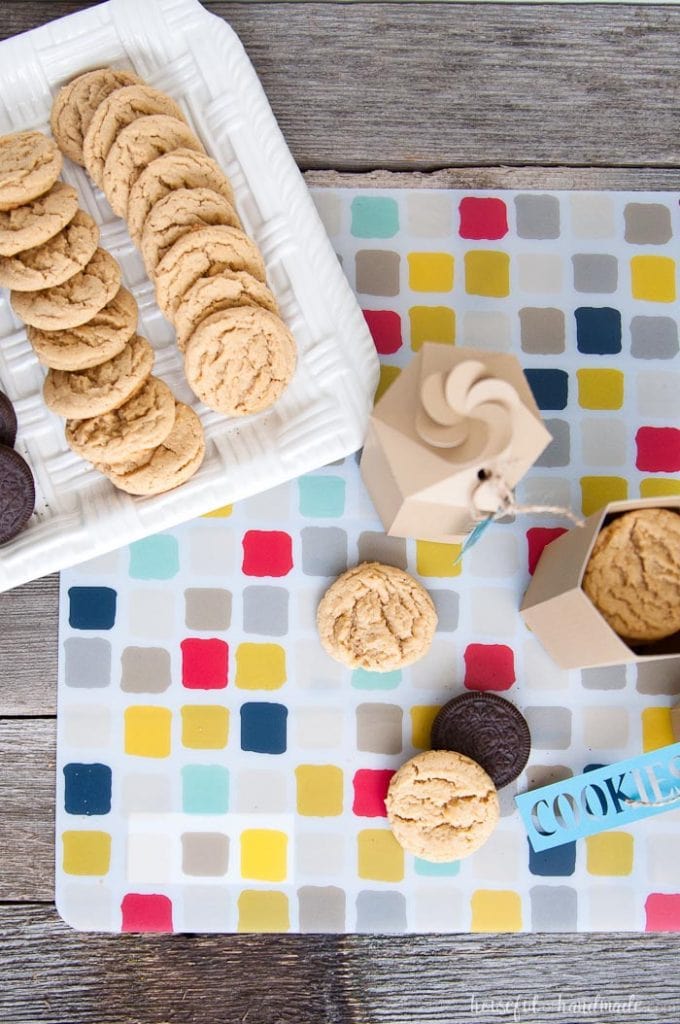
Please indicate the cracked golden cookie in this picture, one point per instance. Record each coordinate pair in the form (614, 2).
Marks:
(178, 213)
(90, 344)
(30, 163)
(213, 294)
(76, 103)
(181, 168)
(170, 464)
(81, 394)
(633, 574)
(204, 253)
(75, 301)
(376, 617)
(55, 261)
(36, 222)
(239, 361)
(442, 806)
(144, 421)
(135, 147)
(116, 112)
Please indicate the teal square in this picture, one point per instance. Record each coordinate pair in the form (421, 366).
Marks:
(430, 870)
(205, 789)
(154, 558)
(322, 497)
(374, 217)
(364, 680)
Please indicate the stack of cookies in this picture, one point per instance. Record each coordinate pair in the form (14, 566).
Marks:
(82, 324)
(179, 206)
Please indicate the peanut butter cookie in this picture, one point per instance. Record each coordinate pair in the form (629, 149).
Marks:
(213, 294)
(55, 261)
(144, 421)
(82, 394)
(178, 213)
(75, 105)
(36, 222)
(74, 302)
(101, 338)
(30, 163)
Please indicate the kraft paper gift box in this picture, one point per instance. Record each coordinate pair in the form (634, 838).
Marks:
(455, 420)
(562, 616)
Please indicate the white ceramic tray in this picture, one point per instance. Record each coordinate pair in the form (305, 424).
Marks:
(195, 57)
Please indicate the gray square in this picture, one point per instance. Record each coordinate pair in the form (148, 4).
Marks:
(553, 908)
(656, 677)
(612, 677)
(538, 216)
(145, 670)
(542, 330)
(446, 602)
(647, 223)
(377, 272)
(205, 854)
(321, 908)
(379, 728)
(207, 608)
(265, 610)
(324, 550)
(550, 727)
(506, 799)
(87, 662)
(595, 273)
(377, 547)
(654, 337)
(381, 912)
(557, 452)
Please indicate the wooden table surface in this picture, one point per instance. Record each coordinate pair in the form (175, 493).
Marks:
(459, 95)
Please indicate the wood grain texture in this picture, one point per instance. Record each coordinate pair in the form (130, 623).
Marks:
(28, 668)
(571, 178)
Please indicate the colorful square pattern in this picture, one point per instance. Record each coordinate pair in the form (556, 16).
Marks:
(218, 772)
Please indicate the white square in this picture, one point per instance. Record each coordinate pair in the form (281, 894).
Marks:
(540, 671)
(439, 910)
(498, 860)
(87, 725)
(320, 854)
(437, 670)
(150, 859)
(206, 909)
(604, 442)
(612, 908)
(496, 554)
(316, 670)
(605, 728)
(493, 611)
(486, 330)
(261, 791)
(211, 550)
(592, 216)
(318, 728)
(273, 506)
(329, 207)
(544, 490)
(657, 395)
(663, 856)
(151, 614)
(540, 273)
(88, 908)
(146, 793)
(429, 214)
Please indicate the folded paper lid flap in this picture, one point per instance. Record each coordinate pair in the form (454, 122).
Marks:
(574, 634)
(560, 567)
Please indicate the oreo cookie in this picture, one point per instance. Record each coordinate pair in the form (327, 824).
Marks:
(17, 493)
(488, 729)
(8, 421)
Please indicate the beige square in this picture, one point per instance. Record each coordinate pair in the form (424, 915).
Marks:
(540, 273)
(605, 728)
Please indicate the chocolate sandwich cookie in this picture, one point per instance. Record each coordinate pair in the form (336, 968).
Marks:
(8, 421)
(488, 729)
(17, 493)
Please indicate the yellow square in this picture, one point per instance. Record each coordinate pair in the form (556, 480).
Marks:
(388, 375)
(260, 666)
(219, 513)
(657, 729)
(430, 271)
(652, 278)
(422, 717)
(380, 857)
(263, 911)
(597, 491)
(600, 389)
(205, 726)
(86, 853)
(264, 854)
(319, 790)
(432, 323)
(609, 853)
(658, 487)
(147, 731)
(496, 911)
(433, 559)
(487, 272)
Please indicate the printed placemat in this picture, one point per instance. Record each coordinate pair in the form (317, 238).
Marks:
(218, 772)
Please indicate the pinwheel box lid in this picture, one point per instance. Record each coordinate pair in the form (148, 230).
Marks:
(455, 424)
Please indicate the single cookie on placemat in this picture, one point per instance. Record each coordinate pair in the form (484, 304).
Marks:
(8, 421)
(92, 343)
(204, 253)
(240, 361)
(74, 302)
(376, 617)
(17, 493)
(442, 806)
(181, 168)
(633, 574)
(30, 163)
(116, 112)
(144, 421)
(136, 147)
(82, 394)
(170, 464)
(76, 103)
(55, 261)
(487, 728)
(178, 213)
(36, 222)
(213, 294)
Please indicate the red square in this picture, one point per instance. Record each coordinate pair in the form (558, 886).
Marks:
(370, 790)
(267, 553)
(662, 912)
(538, 537)
(146, 913)
(489, 667)
(385, 326)
(482, 218)
(658, 449)
(205, 664)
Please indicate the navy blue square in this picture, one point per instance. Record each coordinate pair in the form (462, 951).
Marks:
(598, 330)
(88, 788)
(92, 607)
(550, 387)
(263, 727)
(558, 862)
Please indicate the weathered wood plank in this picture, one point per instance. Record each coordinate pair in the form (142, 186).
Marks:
(28, 648)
